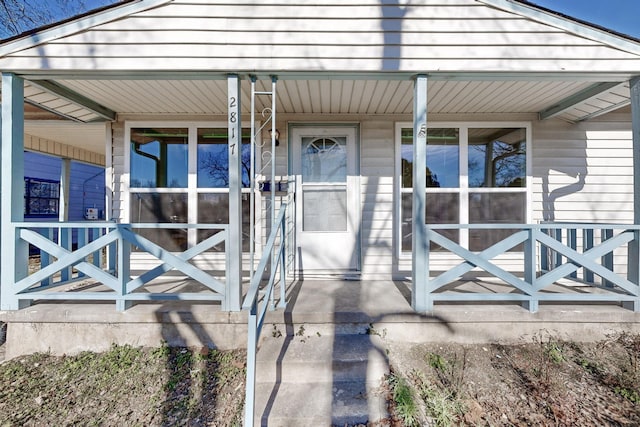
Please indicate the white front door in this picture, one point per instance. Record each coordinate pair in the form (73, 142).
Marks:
(327, 214)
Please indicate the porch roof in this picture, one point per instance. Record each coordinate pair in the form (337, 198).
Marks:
(169, 57)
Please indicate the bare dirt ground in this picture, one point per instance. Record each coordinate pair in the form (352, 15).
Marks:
(542, 381)
(124, 387)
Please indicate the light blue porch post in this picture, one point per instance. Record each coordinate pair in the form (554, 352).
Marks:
(420, 296)
(65, 234)
(634, 246)
(14, 253)
(233, 243)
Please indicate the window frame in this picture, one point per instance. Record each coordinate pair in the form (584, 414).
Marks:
(192, 190)
(463, 190)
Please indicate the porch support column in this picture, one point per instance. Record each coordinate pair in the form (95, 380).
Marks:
(634, 246)
(234, 241)
(420, 297)
(65, 235)
(65, 186)
(13, 251)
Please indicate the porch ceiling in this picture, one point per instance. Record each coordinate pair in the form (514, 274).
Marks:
(571, 100)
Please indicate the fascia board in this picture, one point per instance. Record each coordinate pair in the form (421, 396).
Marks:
(571, 26)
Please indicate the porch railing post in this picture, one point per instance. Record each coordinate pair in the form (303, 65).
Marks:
(633, 264)
(420, 299)
(530, 269)
(587, 243)
(13, 250)
(233, 293)
(607, 260)
(124, 273)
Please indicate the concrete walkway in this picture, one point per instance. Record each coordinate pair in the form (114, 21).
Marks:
(324, 307)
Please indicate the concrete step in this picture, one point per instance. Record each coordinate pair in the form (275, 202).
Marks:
(316, 359)
(318, 404)
(320, 380)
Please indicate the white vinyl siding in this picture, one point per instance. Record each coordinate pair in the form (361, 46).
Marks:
(321, 35)
(588, 170)
(46, 146)
(376, 171)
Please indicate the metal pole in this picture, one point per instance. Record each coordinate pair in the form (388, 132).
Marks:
(274, 80)
(252, 185)
(250, 397)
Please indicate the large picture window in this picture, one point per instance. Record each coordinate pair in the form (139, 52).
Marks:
(476, 174)
(180, 174)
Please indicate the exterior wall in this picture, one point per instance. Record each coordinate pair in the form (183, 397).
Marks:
(318, 35)
(87, 184)
(377, 164)
(584, 173)
(62, 150)
(581, 173)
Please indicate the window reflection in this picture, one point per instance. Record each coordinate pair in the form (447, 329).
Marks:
(443, 154)
(161, 208)
(159, 157)
(213, 158)
(441, 208)
(495, 208)
(213, 208)
(497, 157)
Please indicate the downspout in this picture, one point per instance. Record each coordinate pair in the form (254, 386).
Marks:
(159, 174)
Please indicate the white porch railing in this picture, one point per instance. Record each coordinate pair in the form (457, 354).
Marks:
(551, 252)
(95, 240)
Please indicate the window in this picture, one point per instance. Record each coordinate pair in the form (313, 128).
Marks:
(41, 197)
(180, 174)
(476, 174)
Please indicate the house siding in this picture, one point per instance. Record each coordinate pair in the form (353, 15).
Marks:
(588, 171)
(59, 149)
(319, 35)
(86, 186)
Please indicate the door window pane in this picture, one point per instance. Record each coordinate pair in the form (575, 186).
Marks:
(497, 157)
(324, 159)
(213, 158)
(443, 158)
(159, 157)
(324, 209)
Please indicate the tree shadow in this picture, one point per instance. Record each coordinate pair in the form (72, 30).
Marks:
(196, 370)
(391, 24)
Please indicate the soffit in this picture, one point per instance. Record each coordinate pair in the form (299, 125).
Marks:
(89, 136)
(208, 97)
(310, 97)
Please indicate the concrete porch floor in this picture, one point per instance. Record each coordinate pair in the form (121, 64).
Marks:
(323, 307)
